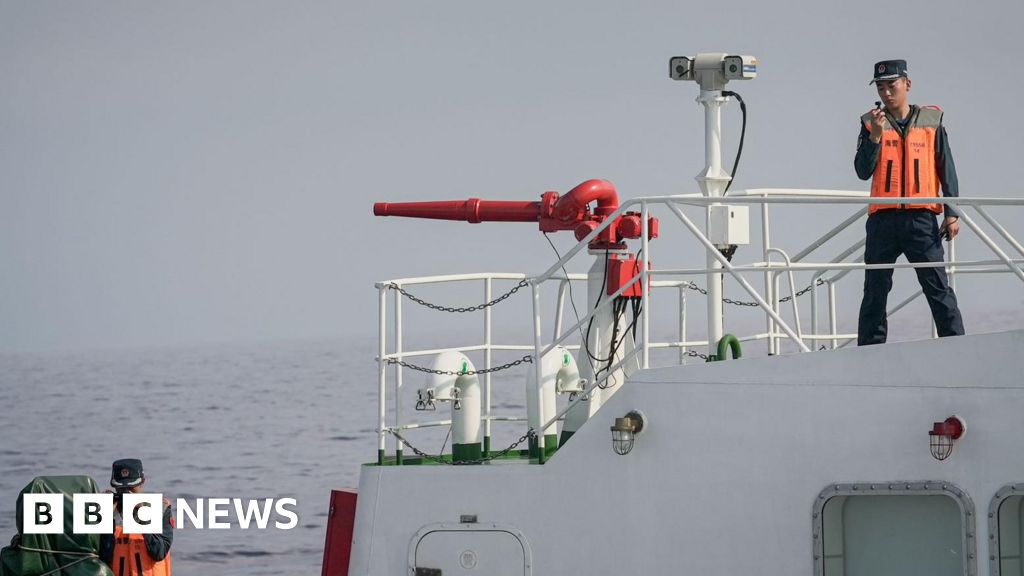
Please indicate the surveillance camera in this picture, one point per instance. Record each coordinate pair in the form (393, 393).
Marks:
(680, 68)
(712, 70)
(739, 67)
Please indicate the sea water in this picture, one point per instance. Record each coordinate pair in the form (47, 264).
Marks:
(256, 421)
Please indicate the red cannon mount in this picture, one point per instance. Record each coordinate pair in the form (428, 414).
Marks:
(553, 213)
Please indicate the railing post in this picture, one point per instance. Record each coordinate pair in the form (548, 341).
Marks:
(382, 374)
(682, 322)
(792, 290)
(814, 309)
(951, 269)
(487, 366)
(398, 374)
(777, 307)
(538, 373)
(768, 293)
(832, 322)
(645, 247)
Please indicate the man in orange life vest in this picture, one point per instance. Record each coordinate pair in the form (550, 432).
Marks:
(905, 151)
(136, 554)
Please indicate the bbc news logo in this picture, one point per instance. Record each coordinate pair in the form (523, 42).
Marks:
(94, 513)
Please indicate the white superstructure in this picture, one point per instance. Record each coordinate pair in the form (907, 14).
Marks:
(816, 458)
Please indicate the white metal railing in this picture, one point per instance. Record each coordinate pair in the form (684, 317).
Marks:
(777, 329)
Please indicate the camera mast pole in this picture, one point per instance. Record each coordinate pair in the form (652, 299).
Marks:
(712, 71)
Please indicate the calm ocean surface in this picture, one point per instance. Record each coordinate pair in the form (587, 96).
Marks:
(246, 421)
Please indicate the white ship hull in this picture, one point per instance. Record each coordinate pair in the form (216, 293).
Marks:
(728, 475)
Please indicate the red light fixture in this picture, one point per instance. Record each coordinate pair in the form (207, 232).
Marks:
(943, 435)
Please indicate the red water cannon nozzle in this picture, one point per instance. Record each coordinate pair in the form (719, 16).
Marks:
(473, 210)
(553, 213)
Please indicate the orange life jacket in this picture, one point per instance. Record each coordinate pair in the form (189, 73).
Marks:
(131, 557)
(906, 162)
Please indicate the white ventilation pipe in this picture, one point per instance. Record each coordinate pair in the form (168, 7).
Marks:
(559, 375)
(463, 391)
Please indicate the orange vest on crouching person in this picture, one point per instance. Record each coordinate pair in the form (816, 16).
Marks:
(131, 558)
(906, 162)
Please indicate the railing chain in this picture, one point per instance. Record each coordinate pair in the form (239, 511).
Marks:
(695, 354)
(439, 460)
(453, 309)
(693, 286)
(528, 359)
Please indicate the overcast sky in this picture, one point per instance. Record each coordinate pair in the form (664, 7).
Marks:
(204, 171)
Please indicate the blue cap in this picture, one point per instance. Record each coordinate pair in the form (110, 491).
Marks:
(890, 70)
(127, 473)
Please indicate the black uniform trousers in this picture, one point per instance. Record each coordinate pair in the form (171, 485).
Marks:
(914, 233)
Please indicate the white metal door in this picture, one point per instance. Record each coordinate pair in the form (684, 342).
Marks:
(470, 552)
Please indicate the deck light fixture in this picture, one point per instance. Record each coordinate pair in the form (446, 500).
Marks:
(625, 430)
(943, 435)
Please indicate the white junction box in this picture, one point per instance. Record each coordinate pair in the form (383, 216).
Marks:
(729, 225)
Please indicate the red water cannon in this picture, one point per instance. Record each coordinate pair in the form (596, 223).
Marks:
(553, 213)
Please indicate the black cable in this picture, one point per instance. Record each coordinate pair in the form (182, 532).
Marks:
(638, 306)
(630, 328)
(616, 314)
(623, 302)
(638, 303)
(618, 310)
(620, 305)
(590, 324)
(572, 300)
(445, 443)
(743, 134)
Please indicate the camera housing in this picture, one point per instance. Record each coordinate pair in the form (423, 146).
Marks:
(713, 70)
(680, 68)
(740, 67)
